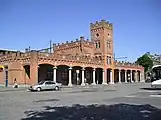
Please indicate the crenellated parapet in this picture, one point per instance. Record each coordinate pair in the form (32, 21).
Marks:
(26, 57)
(126, 64)
(102, 23)
(14, 56)
(77, 42)
(79, 46)
(56, 57)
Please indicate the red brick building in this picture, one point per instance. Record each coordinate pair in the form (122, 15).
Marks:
(71, 63)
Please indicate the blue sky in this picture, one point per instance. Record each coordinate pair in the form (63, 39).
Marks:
(137, 23)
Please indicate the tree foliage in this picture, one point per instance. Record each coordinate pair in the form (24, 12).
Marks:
(145, 61)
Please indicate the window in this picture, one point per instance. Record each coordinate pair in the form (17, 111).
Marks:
(109, 60)
(52, 82)
(40, 83)
(97, 44)
(49, 83)
(108, 44)
(97, 35)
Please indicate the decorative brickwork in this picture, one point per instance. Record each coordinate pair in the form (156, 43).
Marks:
(96, 53)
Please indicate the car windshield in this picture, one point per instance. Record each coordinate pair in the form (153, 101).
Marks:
(40, 83)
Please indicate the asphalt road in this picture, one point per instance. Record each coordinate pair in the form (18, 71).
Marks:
(100, 102)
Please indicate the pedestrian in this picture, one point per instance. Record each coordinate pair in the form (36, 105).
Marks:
(15, 84)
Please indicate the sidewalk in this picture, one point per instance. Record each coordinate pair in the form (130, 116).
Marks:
(10, 88)
(5, 89)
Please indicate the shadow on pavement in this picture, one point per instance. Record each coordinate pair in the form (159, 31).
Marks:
(96, 112)
(49, 100)
(150, 88)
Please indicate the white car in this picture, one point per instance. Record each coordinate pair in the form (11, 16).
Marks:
(156, 84)
(45, 85)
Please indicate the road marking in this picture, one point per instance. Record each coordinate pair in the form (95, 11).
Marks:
(155, 95)
(130, 96)
(147, 91)
(149, 96)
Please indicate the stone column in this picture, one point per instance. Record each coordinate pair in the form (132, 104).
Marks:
(119, 76)
(70, 77)
(125, 76)
(131, 76)
(83, 83)
(142, 77)
(111, 76)
(94, 78)
(103, 77)
(136, 76)
(54, 74)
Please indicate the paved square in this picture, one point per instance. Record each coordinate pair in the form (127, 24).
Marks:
(113, 102)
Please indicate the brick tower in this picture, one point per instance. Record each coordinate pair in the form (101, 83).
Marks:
(102, 36)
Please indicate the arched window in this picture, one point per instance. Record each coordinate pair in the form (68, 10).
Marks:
(97, 44)
(100, 57)
(109, 61)
(108, 44)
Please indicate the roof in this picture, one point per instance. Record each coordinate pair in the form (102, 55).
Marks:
(156, 66)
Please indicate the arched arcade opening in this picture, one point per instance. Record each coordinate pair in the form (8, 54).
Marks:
(45, 72)
(116, 75)
(76, 75)
(99, 76)
(108, 75)
(62, 74)
(26, 73)
(89, 75)
(138, 76)
(122, 75)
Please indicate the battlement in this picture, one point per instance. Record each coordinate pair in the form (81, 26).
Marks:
(83, 58)
(102, 23)
(9, 53)
(124, 63)
(73, 43)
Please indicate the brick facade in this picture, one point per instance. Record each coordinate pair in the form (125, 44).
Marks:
(95, 53)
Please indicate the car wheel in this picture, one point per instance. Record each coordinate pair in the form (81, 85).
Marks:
(38, 89)
(56, 88)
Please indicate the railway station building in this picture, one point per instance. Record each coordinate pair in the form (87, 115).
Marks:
(78, 62)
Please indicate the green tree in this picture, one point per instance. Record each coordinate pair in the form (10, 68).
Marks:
(145, 61)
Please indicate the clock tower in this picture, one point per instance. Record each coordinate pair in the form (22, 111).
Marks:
(102, 36)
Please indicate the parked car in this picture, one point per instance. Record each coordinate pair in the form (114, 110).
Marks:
(156, 84)
(45, 85)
